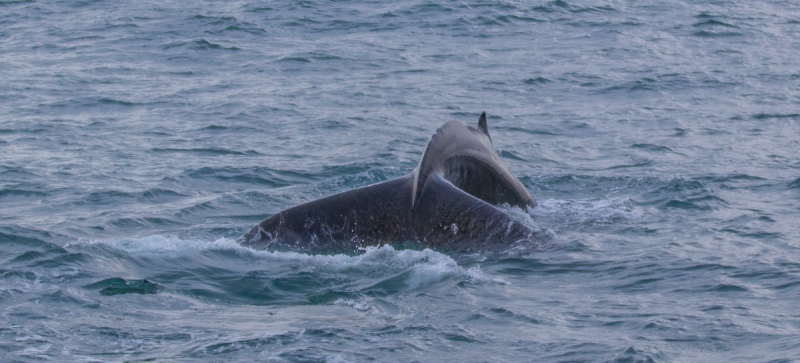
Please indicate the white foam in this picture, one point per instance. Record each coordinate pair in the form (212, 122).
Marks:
(158, 244)
(355, 304)
(477, 276)
(425, 267)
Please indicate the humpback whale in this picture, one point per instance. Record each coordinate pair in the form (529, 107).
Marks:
(448, 202)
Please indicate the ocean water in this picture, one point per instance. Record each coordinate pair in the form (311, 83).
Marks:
(139, 140)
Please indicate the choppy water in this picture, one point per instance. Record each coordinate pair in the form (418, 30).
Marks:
(139, 140)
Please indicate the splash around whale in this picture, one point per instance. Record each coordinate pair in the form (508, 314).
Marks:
(449, 202)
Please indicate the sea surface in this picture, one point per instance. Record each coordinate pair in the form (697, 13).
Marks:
(140, 139)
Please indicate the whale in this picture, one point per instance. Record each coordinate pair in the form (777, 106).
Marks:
(455, 199)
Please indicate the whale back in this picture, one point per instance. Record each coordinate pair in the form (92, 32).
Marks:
(446, 202)
(340, 222)
(465, 156)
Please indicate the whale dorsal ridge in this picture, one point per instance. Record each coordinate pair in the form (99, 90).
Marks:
(483, 126)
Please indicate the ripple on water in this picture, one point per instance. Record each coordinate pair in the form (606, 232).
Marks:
(246, 177)
(207, 151)
(686, 194)
(795, 184)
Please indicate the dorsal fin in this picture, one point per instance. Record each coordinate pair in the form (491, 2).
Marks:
(482, 124)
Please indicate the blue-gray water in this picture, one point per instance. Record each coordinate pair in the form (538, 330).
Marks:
(138, 140)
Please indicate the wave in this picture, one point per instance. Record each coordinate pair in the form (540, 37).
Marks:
(591, 212)
(224, 270)
(117, 197)
(670, 192)
(684, 193)
(14, 194)
(207, 151)
(197, 45)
